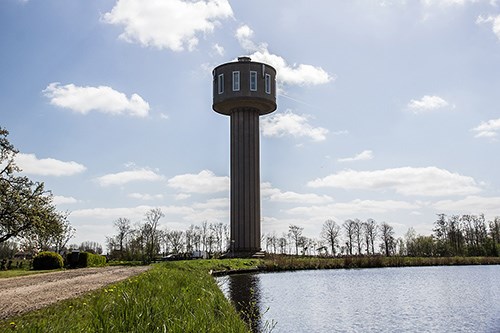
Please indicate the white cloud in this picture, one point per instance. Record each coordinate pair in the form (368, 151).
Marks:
(145, 196)
(289, 123)
(429, 181)
(490, 206)
(244, 34)
(353, 207)
(487, 129)
(363, 156)
(170, 24)
(182, 196)
(101, 99)
(300, 74)
(204, 182)
(133, 213)
(211, 210)
(61, 200)
(427, 103)
(218, 49)
(30, 164)
(125, 177)
(494, 20)
(276, 195)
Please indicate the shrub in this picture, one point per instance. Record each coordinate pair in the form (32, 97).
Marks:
(87, 259)
(47, 260)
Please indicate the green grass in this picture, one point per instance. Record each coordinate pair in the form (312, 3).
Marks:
(21, 272)
(171, 297)
(181, 296)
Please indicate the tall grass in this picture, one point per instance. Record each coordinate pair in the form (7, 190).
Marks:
(280, 262)
(169, 298)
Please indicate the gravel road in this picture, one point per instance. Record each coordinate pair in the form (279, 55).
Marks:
(27, 293)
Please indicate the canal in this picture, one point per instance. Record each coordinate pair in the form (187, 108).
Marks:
(410, 299)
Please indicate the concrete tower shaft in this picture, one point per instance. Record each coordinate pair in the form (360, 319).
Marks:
(244, 90)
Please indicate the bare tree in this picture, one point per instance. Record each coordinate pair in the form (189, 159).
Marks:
(204, 235)
(150, 233)
(64, 235)
(190, 237)
(357, 230)
(387, 236)
(282, 242)
(164, 241)
(123, 226)
(176, 239)
(217, 231)
(330, 233)
(90, 246)
(370, 231)
(349, 229)
(295, 233)
(273, 239)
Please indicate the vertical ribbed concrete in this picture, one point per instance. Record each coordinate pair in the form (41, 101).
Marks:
(245, 180)
(244, 90)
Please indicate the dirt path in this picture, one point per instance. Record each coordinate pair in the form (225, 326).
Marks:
(27, 293)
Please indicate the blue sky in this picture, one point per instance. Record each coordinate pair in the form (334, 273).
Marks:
(386, 109)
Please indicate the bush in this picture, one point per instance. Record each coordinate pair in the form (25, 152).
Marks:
(87, 259)
(47, 260)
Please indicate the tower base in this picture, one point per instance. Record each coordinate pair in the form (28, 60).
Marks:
(247, 254)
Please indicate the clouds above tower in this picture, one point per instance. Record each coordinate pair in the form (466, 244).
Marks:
(167, 24)
(100, 99)
(300, 74)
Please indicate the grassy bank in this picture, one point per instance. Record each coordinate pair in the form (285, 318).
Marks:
(173, 297)
(281, 263)
(182, 297)
(22, 272)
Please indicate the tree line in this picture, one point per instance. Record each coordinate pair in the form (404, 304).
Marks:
(465, 235)
(456, 235)
(146, 240)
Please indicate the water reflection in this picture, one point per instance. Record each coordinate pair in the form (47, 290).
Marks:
(413, 299)
(245, 293)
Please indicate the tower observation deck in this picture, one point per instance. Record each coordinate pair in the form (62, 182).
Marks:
(244, 90)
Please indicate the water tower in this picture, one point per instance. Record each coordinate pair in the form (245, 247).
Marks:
(244, 90)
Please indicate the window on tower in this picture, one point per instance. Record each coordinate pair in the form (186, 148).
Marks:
(236, 81)
(220, 84)
(268, 83)
(253, 81)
